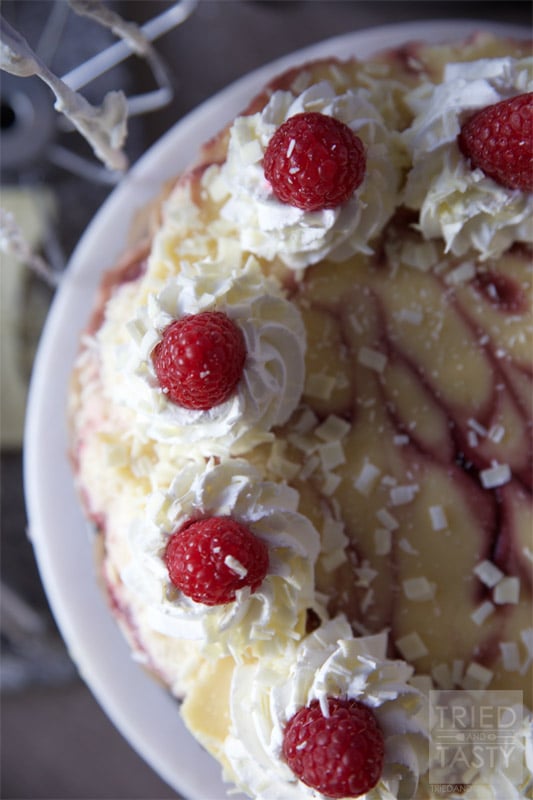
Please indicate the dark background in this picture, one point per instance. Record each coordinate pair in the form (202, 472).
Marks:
(56, 742)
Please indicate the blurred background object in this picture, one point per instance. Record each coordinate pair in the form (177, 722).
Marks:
(52, 185)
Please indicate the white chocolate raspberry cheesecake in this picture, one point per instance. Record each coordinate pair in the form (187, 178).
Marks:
(301, 422)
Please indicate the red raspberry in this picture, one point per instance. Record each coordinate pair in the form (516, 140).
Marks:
(340, 755)
(499, 141)
(314, 162)
(197, 557)
(200, 359)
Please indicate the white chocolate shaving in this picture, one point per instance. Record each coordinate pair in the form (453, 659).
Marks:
(400, 440)
(411, 646)
(482, 612)
(476, 676)
(488, 573)
(331, 454)
(331, 484)
(510, 656)
(401, 495)
(496, 433)
(333, 429)
(387, 520)
(367, 478)
(438, 518)
(382, 541)
(462, 274)
(442, 676)
(418, 589)
(407, 547)
(319, 386)
(477, 427)
(495, 476)
(235, 566)
(507, 591)
(372, 359)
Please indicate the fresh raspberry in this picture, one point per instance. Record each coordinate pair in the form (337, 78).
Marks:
(499, 141)
(340, 755)
(200, 359)
(314, 162)
(210, 559)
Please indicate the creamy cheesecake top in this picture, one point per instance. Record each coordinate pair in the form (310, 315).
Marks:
(376, 447)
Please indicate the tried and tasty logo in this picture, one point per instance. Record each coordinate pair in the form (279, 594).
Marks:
(473, 736)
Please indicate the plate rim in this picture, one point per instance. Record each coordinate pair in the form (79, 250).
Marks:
(46, 432)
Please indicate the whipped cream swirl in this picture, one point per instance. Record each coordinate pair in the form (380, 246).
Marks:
(264, 622)
(461, 204)
(274, 370)
(329, 662)
(272, 229)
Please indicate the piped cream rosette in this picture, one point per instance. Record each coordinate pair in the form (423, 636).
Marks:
(274, 370)
(462, 205)
(272, 229)
(264, 622)
(329, 662)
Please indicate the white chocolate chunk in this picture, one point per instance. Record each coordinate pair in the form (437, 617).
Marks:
(510, 656)
(507, 591)
(372, 359)
(366, 480)
(438, 518)
(387, 520)
(476, 676)
(400, 440)
(458, 667)
(497, 475)
(365, 575)
(333, 536)
(332, 429)
(331, 454)
(401, 495)
(461, 274)
(382, 541)
(442, 675)
(496, 433)
(235, 566)
(319, 386)
(477, 427)
(528, 553)
(488, 573)
(482, 612)
(411, 646)
(418, 589)
(309, 467)
(330, 484)
(407, 547)
(333, 559)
